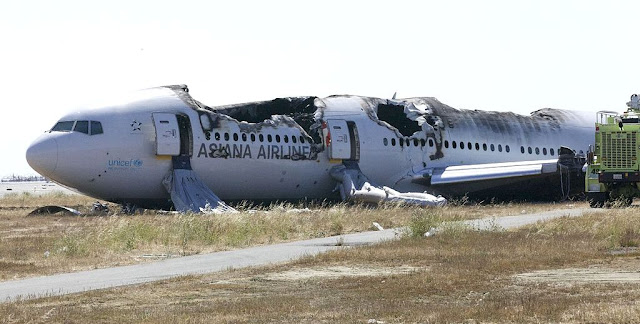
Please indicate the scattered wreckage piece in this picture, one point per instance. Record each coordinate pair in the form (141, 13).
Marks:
(97, 208)
(50, 210)
(355, 186)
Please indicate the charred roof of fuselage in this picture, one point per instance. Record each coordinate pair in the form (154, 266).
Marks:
(508, 123)
(391, 112)
(301, 109)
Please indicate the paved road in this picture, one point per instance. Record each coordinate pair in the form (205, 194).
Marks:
(255, 256)
(508, 222)
(32, 187)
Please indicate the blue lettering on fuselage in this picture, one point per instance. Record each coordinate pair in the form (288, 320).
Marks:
(125, 163)
(266, 152)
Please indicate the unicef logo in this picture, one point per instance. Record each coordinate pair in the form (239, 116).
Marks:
(124, 164)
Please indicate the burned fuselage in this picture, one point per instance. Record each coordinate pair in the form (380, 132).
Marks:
(287, 148)
(282, 142)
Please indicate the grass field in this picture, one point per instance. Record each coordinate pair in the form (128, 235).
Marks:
(570, 270)
(38, 245)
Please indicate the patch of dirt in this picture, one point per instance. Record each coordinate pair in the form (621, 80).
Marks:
(331, 272)
(618, 271)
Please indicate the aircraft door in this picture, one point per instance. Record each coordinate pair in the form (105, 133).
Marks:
(167, 134)
(342, 140)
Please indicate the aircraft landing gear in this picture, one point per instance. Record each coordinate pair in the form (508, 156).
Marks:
(130, 209)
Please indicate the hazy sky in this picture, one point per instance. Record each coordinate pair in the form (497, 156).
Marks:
(495, 55)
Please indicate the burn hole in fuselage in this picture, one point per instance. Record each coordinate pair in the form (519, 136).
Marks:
(394, 115)
(301, 109)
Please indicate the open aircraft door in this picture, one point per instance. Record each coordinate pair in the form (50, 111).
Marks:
(341, 139)
(167, 134)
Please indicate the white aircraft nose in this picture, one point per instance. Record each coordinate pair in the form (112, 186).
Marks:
(42, 155)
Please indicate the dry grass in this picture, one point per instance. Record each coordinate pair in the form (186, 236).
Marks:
(37, 245)
(456, 276)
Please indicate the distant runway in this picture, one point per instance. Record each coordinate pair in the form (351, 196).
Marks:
(67, 283)
(32, 187)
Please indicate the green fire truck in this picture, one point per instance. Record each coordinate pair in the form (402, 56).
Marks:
(613, 171)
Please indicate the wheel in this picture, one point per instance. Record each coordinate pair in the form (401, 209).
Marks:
(597, 199)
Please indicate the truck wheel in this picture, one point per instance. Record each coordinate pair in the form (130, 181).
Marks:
(597, 199)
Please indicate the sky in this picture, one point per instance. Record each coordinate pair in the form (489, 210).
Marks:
(520, 56)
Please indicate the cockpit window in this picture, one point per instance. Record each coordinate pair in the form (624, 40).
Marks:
(96, 127)
(63, 126)
(82, 126)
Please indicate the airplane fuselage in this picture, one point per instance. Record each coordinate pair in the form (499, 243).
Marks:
(287, 155)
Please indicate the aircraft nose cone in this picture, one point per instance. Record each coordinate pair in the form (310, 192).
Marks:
(42, 155)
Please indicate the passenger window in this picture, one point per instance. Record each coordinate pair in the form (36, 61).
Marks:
(522, 149)
(393, 142)
(506, 148)
(484, 146)
(446, 144)
(499, 147)
(431, 143)
(253, 137)
(226, 136)
(278, 138)
(477, 147)
(530, 150)
(217, 136)
(454, 144)
(537, 151)
(415, 142)
(493, 148)
(551, 151)
(244, 137)
(423, 142)
(261, 138)
(294, 139)
(286, 139)
(96, 127)
(385, 141)
(235, 137)
(63, 126)
(401, 142)
(544, 151)
(82, 126)
(469, 145)
(301, 139)
(408, 142)
(269, 138)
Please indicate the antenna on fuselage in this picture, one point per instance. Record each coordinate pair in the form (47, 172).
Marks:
(394, 95)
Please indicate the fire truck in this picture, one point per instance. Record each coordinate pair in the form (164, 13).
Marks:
(613, 171)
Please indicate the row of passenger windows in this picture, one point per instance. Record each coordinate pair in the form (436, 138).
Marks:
(91, 127)
(469, 146)
(477, 146)
(401, 142)
(260, 137)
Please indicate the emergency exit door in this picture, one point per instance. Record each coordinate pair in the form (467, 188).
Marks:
(167, 134)
(342, 140)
